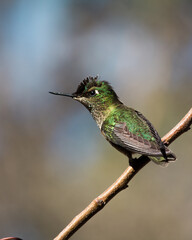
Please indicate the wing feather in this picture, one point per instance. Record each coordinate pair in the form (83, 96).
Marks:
(134, 143)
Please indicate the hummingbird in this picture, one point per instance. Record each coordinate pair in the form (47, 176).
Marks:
(125, 128)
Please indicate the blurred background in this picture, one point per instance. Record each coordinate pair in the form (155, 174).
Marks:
(53, 159)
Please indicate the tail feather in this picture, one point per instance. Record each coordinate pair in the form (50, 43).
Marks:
(170, 157)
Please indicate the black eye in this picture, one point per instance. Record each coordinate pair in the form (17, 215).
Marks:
(92, 93)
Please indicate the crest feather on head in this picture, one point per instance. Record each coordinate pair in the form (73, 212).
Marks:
(90, 82)
(87, 83)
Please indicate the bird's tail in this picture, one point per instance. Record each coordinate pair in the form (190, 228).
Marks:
(162, 161)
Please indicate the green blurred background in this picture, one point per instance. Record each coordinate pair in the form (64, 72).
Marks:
(53, 159)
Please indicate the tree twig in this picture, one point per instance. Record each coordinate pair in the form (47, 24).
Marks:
(180, 128)
(121, 183)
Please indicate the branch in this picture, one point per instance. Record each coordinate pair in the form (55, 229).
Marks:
(11, 238)
(180, 128)
(121, 183)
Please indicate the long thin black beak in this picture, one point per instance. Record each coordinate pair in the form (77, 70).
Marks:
(62, 94)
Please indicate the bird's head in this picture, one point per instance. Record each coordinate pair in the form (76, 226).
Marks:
(93, 93)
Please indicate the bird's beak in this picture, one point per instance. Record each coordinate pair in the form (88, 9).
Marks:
(62, 94)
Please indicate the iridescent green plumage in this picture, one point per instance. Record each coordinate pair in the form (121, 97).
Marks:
(125, 128)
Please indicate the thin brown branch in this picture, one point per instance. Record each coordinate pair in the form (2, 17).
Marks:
(121, 183)
(180, 128)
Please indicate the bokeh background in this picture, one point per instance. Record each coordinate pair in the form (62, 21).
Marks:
(53, 159)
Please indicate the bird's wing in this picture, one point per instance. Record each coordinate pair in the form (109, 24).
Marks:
(121, 136)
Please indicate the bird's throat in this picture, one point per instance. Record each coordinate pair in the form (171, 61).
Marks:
(100, 115)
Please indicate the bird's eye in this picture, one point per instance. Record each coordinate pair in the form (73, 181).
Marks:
(93, 92)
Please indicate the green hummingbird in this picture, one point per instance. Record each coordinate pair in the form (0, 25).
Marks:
(123, 127)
